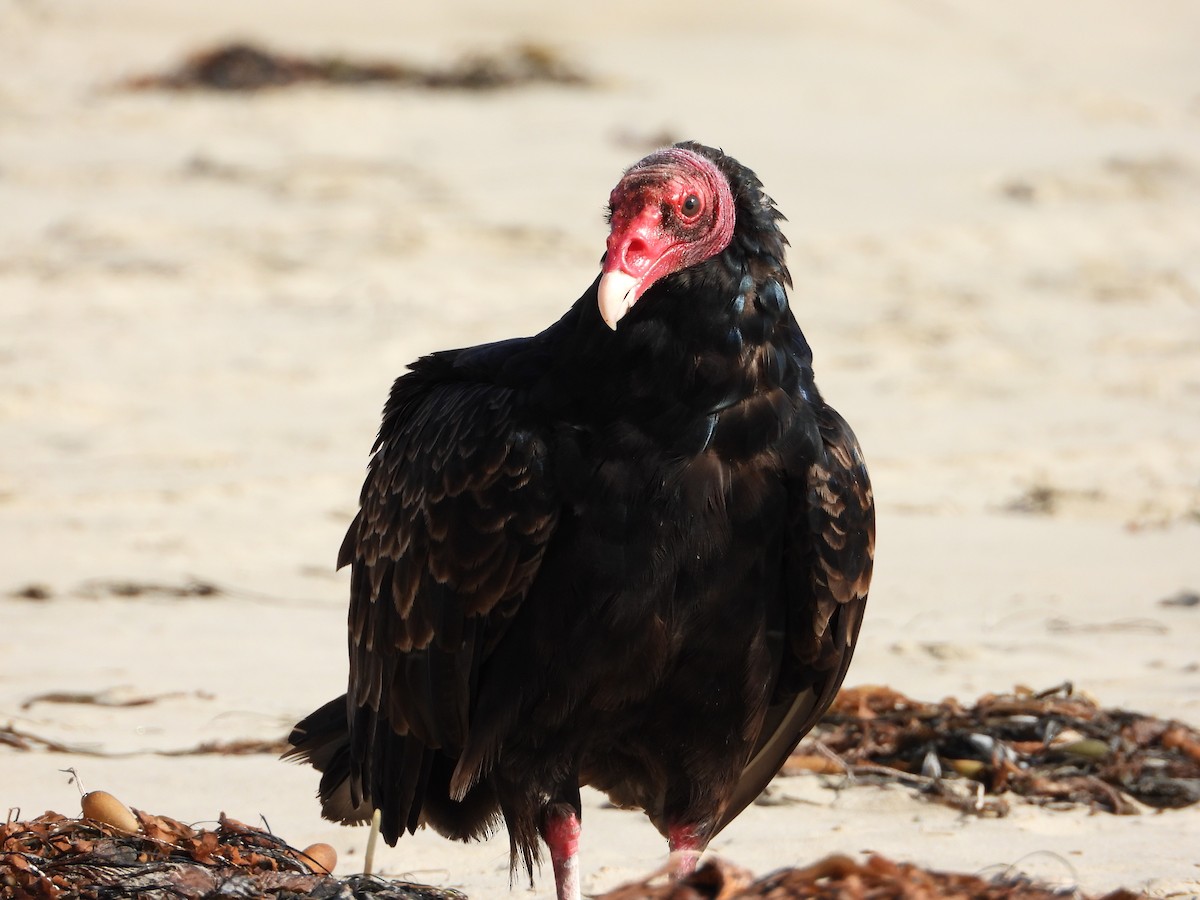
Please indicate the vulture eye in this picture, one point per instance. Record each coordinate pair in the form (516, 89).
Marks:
(690, 205)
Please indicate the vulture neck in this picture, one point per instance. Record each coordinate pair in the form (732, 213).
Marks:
(701, 342)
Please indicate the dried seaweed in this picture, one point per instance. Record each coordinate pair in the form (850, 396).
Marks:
(842, 878)
(249, 67)
(16, 739)
(1055, 748)
(53, 856)
(243, 747)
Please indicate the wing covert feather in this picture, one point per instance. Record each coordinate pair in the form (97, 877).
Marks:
(454, 518)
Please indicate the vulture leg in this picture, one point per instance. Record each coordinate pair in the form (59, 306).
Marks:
(686, 847)
(560, 830)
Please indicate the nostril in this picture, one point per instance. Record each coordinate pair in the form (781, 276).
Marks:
(635, 251)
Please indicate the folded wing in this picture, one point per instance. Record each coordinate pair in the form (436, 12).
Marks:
(455, 516)
(828, 571)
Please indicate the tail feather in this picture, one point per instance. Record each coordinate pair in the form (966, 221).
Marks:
(322, 739)
(409, 782)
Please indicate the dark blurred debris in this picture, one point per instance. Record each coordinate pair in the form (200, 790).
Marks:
(1146, 626)
(249, 67)
(100, 587)
(1184, 599)
(190, 587)
(111, 697)
(1040, 499)
(1046, 499)
(32, 592)
(842, 878)
(53, 856)
(1020, 190)
(1055, 748)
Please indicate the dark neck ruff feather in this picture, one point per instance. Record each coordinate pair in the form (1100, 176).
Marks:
(704, 338)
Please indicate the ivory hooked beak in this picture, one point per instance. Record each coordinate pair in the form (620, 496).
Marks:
(616, 295)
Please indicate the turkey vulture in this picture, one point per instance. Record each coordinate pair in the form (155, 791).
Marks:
(631, 551)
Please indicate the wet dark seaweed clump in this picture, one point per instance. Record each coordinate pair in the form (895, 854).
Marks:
(1055, 748)
(53, 856)
(839, 877)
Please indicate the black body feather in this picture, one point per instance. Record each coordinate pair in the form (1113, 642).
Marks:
(636, 559)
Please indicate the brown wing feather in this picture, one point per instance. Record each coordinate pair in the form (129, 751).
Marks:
(828, 573)
(454, 519)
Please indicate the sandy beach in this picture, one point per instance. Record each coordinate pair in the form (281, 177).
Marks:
(994, 213)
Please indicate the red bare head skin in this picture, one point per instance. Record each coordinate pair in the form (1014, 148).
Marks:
(672, 210)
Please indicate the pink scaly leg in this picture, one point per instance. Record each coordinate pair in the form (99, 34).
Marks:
(561, 833)
(686, 847)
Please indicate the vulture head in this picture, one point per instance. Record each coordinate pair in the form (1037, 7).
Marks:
(670, 211)
(691, 212)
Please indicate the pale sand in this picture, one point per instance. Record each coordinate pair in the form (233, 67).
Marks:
(203, 299)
